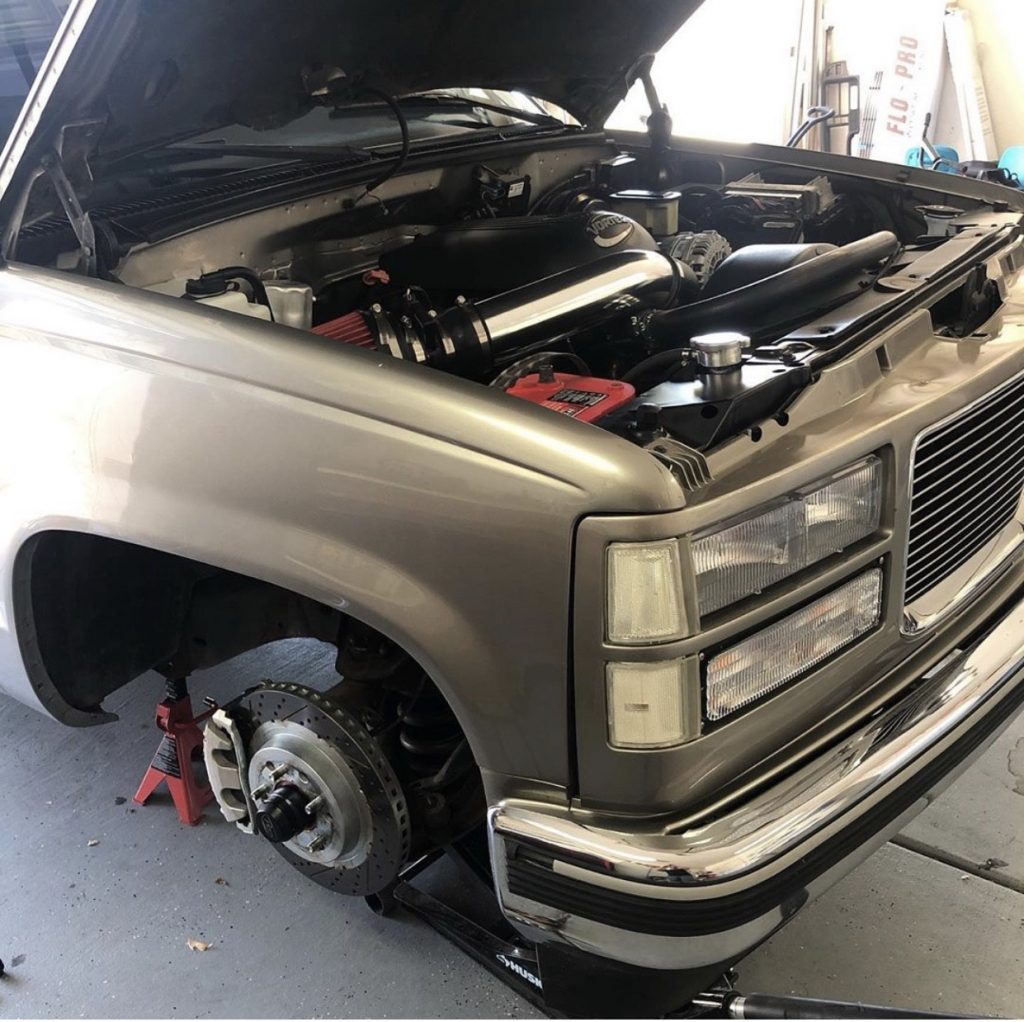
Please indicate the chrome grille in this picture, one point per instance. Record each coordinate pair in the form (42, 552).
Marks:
(967, 479)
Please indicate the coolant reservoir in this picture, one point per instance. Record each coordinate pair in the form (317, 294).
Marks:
(235, 301)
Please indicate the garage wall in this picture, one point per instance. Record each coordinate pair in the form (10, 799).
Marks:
(727, 73)
(999, 32)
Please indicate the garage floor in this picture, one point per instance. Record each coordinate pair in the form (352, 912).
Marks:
(98, 897)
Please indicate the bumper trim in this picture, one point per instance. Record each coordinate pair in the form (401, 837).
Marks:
(745, 871)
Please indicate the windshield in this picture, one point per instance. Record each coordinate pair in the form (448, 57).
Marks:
(435, 114)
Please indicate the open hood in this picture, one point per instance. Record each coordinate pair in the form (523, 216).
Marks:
(155, 70)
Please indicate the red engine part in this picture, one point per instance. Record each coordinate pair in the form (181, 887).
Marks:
(349, 329)
(583, 397)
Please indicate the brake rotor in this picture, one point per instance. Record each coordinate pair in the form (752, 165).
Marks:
(324, 792)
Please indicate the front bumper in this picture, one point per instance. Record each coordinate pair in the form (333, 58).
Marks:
(670, 898)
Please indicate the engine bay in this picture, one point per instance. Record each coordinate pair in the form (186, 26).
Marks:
(663, 303)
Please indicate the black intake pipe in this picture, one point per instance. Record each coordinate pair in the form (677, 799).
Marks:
(769, 303)
(467, 337)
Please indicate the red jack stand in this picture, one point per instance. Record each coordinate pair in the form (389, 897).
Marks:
(173, 760)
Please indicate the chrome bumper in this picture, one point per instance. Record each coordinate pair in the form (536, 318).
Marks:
(689, 898)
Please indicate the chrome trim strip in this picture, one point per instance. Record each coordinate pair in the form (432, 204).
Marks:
(833, 789)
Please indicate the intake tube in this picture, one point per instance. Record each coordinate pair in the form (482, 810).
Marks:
(769, 303)
(467, 337)
(578, 297)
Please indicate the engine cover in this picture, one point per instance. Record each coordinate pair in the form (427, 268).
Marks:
(482, 257)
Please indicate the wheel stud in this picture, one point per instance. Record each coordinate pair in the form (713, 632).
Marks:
(314, 805)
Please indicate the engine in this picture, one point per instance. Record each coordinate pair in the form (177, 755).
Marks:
(622, 321)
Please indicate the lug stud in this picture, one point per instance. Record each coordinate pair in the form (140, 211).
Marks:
(313, 805)
(318, 843)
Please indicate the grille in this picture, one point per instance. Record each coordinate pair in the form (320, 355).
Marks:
(968, 476)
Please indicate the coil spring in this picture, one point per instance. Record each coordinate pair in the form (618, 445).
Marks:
(428, 732)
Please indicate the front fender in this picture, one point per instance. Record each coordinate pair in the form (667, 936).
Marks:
(436, 510)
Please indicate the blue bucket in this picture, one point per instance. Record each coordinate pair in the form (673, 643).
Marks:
(950, 164)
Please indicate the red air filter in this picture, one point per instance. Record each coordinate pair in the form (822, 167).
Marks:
(582, 397)
(349, 329)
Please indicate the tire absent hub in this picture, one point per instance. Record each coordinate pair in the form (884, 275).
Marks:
(322, 790)
(283, 814)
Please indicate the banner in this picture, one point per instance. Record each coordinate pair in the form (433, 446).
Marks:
(907, 81)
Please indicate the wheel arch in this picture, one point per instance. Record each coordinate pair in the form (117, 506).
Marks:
(60, 569)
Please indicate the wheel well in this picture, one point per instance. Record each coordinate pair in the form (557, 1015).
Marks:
(92, 614)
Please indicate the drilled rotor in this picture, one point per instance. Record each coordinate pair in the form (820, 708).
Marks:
(358, 833)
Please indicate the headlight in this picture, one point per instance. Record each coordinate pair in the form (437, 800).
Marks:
(645, 593)
(776, 654)
(750, 555)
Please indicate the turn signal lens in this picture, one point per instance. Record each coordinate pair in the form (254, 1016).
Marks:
(645, 593)
(646, 704)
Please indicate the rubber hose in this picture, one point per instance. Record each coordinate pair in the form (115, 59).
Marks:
(768, 303)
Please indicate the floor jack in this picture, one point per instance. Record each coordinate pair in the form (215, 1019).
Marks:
(563, 986)
(182, 736)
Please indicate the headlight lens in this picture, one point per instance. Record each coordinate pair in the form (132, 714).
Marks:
(771, 657)
(645, 597)
(646, 704)
(823, 519)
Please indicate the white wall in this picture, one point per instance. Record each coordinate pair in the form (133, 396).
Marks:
(727, 74)
(999, 32)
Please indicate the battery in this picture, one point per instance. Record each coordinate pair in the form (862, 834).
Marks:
(580, 397)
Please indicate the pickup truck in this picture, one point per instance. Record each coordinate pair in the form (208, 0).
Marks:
(661, 497)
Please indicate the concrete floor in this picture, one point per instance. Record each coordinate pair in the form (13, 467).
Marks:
(98, 897)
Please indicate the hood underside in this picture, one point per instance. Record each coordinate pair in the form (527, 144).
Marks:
(153, 70)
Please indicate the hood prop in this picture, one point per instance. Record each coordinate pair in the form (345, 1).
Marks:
(79, 219)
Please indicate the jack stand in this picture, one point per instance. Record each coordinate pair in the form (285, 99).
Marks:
(173, 760)
(567, 984)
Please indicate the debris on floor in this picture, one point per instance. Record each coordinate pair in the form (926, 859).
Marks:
(197, 945)
(989, 864)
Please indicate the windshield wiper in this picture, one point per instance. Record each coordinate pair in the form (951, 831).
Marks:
(218, 147)
(466, 102)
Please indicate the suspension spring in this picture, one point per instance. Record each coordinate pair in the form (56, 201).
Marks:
(428, 732)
